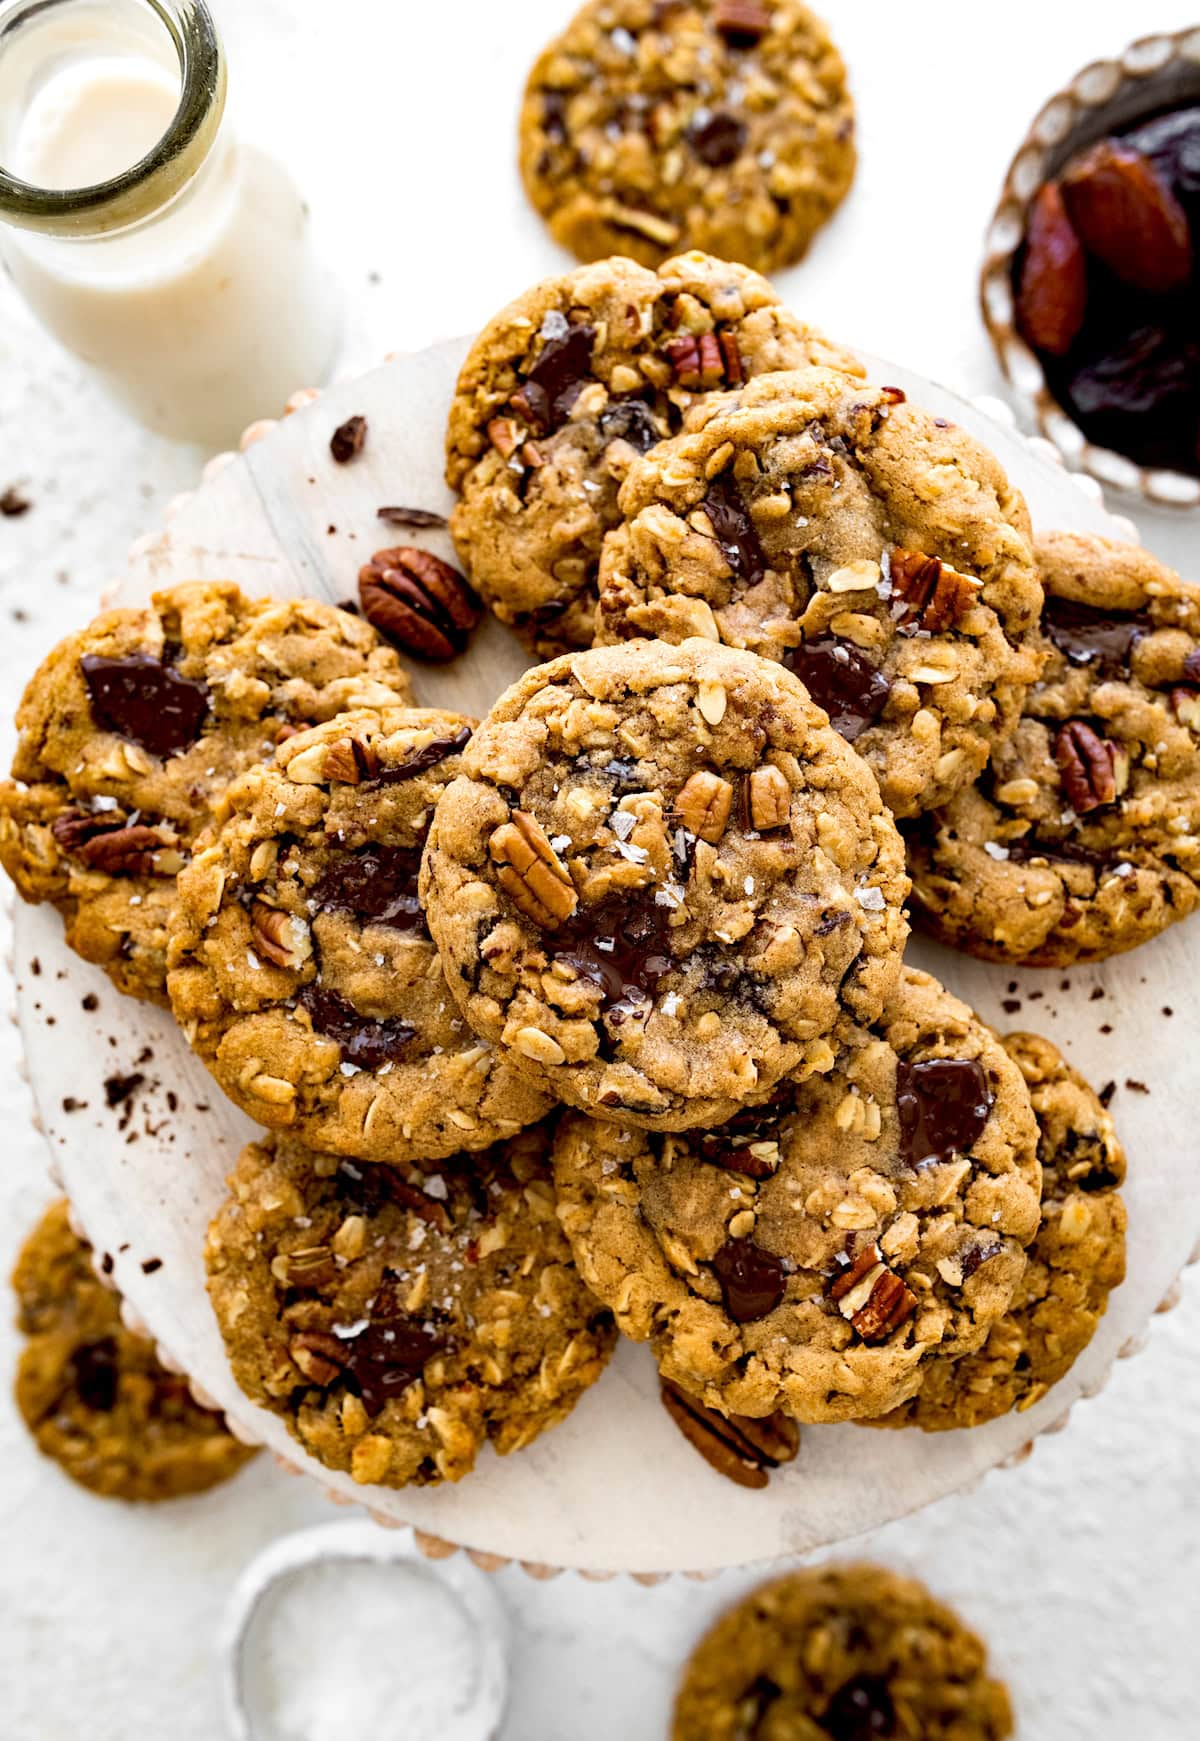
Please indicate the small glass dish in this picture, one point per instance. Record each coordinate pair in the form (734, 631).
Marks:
(314, 1616)
(1154, 74)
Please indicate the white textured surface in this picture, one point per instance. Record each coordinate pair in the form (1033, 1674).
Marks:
(1079, 1566)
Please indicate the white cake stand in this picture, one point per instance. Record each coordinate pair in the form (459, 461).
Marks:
(615, 1489)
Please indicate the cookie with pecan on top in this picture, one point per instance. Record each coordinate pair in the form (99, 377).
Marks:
(301, 968)
(1082, 839)
(877, 551)
(815, 1255)
(560, 394)
(399, 1319)
(663, 883)
(131, 729)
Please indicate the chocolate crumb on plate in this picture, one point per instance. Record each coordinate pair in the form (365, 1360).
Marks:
(347, 441)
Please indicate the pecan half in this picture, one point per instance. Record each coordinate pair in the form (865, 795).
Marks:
(418, 602)
(349, 761)
(282, 938)
(531, 873)
(705, 360)
(741, 1449)
(872, 1296)
(134, 851)
(703, 806)
(742, 22)
(310, 1267)
(317, 1354)
(767, 799)
(936, 594)
(1087, 765)
(74, 828)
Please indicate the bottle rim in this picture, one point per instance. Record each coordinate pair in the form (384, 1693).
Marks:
(157, 178)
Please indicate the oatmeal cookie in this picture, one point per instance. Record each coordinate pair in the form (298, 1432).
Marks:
(717, 124)
(400, 1319)
(877, 551)
(564, 389)
(301, 968)
(1083, 838)
(841, 1653)
(130, 730)
(95, 1396)
(664, 882)
(815, 1254)
(1075, 1262)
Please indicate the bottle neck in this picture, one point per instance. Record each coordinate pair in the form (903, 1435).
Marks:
(39, 38)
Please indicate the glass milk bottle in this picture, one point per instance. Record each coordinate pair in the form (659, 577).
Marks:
(169, 256)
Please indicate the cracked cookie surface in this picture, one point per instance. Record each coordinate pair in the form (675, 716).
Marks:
(301, 967)
(840, 1653)
(1075, 1262)
(564, 389)
(1083, 837)
(664, 882)
(95, 1396)
(130, 730)
(878, 551)
(815, 1254)
(399, 1320)
(647, 128)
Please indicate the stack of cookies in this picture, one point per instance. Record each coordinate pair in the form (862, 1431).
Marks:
(594, 1016)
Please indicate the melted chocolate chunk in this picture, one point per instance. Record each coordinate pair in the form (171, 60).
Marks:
(378, 884)
(735, 530)
(143, 699)
(554, 115)
(360, 1040)
(630, 420)
(553, 384)
(943, 1104)
(427, 757)
(719, 139)
(1061, 851)
(622, 943)
(366, 1189)
(862, 1710)
(389, 1355)
(843, 681)
(753, 1281)
(94, 1374)
(978, 1255)
(1101, 640)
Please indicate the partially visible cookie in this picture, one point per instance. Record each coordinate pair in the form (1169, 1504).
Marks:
(400, 1319)
(877, 551)
(563, 390)
(95, 1396)
(664, 882)
(815, 1255)
(1075, 1262)
(131, 728)
(841, 1653)
(1083, 837)
(301, 967)
(718, 124)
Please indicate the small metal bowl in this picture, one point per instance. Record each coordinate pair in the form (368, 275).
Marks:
(1153, 74)
(471, 1593)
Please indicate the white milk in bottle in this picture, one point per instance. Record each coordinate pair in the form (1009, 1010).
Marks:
(194, 292)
